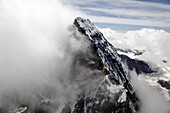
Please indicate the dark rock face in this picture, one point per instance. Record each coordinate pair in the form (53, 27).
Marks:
(109, 89)
(135, 51)
(164, 84)
(138, 65)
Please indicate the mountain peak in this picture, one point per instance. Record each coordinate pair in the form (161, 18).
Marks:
(113, 92)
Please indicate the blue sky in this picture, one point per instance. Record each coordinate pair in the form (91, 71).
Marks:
(123, 15)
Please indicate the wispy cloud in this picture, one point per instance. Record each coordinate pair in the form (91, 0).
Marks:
(128, 21)
(128, 12)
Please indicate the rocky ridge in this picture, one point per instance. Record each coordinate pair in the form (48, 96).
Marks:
(113, 92)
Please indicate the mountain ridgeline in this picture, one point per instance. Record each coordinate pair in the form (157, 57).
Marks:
(110, 89)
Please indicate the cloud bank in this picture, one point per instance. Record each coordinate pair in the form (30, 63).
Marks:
(151, 100)
(154, 43)
(34, 54)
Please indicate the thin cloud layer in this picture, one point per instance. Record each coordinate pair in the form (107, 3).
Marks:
(129, 12)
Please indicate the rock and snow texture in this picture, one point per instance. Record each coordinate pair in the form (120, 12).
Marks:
(152, 44)
(105, 51)
(152, 49)
(109, 89)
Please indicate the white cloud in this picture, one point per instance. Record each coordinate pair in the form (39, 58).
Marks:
(34, 53)
(126, 21)
(131, 12)
(135, 12)
(151, 100)
(155, 43)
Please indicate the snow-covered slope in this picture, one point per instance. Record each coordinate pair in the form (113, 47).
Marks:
(153, 43)
(153, 46)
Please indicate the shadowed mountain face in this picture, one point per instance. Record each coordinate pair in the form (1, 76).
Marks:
(105, 86)
(141, 67)
(165, 84)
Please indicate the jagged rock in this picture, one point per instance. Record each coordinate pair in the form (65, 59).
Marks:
(22, 109)
(164, 61)
(139, 66)
(135, 51)
(165, 84)
(109, 89)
